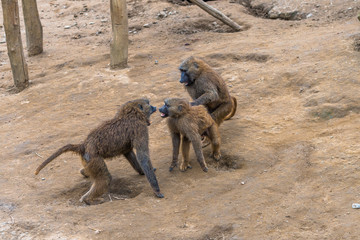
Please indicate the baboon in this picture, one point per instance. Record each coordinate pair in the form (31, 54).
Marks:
(189, 122)
(206, 87)
(120, 135)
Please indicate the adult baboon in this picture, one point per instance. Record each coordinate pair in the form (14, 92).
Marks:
(206, 87)
(189, 122)
(127, 130)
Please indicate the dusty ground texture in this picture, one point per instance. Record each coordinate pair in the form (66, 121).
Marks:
(290, 166)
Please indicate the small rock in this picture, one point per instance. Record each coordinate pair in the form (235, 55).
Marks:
(309, 15)
(242, 183)
(161, 15)
(43, 179)
(356, 205)
(147, 25)
(91, 23)
(67, 27)
(156, 62)
(104, 20)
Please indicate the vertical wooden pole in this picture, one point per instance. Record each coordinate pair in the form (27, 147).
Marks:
(14, 45)
(119, 43)
(34, 31)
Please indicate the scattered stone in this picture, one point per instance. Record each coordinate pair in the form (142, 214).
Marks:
(161, 15)
(104, 20)
(276, 13)
(67, 27)
(242, 183)
(43, 179)
(156, 62)
(91, 23)
(147, 25)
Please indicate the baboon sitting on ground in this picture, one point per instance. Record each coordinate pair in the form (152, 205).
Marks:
(190, 122)
(127, 130)
(207, 88)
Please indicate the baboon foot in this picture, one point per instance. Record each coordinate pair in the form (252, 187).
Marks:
(172, 166)
(82, 171)
(183, 167)
(205, 169)
(216, 156)
(92, 201)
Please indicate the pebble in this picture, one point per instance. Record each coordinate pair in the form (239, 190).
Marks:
(147, 25)
(356, 205)
(67, 27)
(242, 183)
(43, 179)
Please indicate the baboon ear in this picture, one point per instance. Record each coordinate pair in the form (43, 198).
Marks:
(140, 106)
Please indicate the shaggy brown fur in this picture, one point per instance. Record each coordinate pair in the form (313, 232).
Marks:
(206, 87)
(190, 123)
(127, 130)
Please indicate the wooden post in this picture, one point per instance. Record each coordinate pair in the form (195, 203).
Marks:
(119, 43)
(34, 32)
(217, 14)
(14, 45)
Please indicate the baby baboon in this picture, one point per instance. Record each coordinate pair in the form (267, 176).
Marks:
(190, 122)
(127, 130)
(206, 87)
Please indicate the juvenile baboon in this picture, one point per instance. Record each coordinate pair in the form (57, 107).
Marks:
(127, 130)
(206, 87)
(189, 122)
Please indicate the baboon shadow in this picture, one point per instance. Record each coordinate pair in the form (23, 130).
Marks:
(227, 162)
(120, 189)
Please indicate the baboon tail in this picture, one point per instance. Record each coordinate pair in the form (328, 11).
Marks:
(233, 109)
(70, 147)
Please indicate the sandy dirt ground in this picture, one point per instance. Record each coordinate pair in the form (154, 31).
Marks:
(290, 167)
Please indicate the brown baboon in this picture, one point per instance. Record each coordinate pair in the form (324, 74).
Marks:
(206, 87)
(127, 130)
(190, 122)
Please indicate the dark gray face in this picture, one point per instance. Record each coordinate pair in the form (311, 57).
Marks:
(144, 105)
(185, 78)
(164, 110)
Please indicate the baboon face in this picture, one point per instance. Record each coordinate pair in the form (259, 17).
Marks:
(189, 70)
(173, 107)
(144, 106)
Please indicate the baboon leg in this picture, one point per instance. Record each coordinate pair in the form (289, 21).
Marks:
(100, 177)
(215, 141)
(185, 149)
(221, 112)
(233, 109)
(143, 156)
(84, 160)
(131, 157)
(175, 137)
(196, 142)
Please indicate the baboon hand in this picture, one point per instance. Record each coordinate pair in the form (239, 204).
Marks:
(159, 194)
